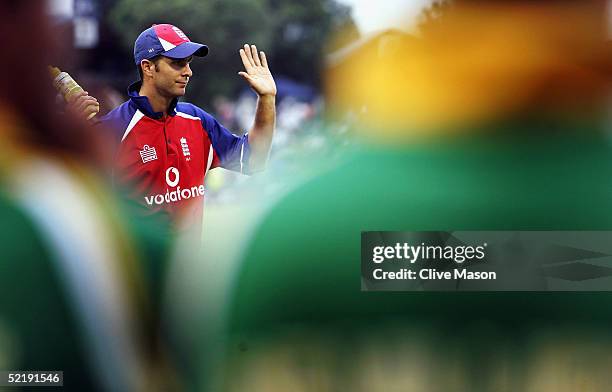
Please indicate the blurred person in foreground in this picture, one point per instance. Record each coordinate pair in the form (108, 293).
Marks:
(72, 291)
(165, 147)
(493, 120)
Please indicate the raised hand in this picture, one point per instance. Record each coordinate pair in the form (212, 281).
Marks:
(257, 72)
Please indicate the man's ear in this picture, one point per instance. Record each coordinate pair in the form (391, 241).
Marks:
(148, 67)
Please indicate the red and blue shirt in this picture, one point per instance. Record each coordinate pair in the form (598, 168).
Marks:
(162, 161)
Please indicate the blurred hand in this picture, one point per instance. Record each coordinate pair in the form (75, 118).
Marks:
(83, 105)
(257, 72)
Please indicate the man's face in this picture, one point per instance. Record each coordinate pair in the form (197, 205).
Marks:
(171, 76)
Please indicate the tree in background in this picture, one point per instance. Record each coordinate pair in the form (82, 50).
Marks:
(293, 35)
(305, 32)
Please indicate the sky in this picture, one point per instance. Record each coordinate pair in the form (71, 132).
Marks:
(373, 15)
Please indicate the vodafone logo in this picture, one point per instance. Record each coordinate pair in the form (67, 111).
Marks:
(172, 171)
(172, 179)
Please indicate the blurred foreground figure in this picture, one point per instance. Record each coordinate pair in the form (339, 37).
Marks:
(494, 119)
(72, 297)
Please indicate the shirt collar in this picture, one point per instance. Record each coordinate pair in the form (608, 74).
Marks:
(142, 102)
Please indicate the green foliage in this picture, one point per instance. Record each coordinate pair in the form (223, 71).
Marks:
(303, 31)
(293, 35)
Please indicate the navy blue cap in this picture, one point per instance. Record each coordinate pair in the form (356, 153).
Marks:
(166, 40)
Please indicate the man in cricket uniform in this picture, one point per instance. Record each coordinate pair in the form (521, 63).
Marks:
(165, 147)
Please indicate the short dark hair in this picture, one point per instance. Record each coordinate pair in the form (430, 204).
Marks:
(154, 60)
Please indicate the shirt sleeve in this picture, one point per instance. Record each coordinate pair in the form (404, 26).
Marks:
(233, 151)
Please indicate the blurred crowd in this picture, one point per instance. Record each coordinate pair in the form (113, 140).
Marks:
(494, 117)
